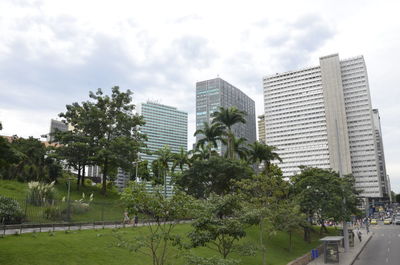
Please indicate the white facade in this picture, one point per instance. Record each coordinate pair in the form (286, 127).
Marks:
(314, 114)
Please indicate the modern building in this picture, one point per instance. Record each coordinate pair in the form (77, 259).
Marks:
(261, 128)
(315, 114)
(165, 125)
(214, 93)
(56, 125)
(383, 177)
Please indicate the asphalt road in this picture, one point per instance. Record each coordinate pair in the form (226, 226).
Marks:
(383, 248)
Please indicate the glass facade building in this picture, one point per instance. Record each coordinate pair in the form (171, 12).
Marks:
(165, 125)
(214, 93)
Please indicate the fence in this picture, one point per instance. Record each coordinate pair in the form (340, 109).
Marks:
(74, 211)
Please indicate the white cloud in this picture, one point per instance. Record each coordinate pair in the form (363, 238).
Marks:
(53, 52)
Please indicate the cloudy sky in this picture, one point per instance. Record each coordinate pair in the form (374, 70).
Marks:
(52, 53)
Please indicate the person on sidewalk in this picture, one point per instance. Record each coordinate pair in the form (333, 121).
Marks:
(359, 234)
(126, 218)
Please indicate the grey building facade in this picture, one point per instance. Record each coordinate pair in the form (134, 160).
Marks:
(315, 114)
(56, 125)
(214, 93)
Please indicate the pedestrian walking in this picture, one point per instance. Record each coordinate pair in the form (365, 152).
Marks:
(359, 234)
(126, 218)
(136, 220)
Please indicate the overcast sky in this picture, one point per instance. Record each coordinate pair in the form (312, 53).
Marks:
(52, 53)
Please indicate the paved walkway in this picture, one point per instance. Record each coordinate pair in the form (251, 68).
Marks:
(75, 227)
(349, 257)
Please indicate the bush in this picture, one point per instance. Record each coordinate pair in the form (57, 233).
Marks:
(40, 193)
(52, 212)
(10, 211)
(78, 207)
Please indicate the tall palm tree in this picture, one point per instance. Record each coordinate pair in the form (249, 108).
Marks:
(229, 117)
(181, 159)
(260, 152)
(202, 153)
(165, 156)
(239, 147)
(212, 134)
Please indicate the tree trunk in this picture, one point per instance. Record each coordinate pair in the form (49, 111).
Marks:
(79, 177)
(83, 175)
(105, 171)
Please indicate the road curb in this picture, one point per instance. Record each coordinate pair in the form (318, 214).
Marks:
(362, 248)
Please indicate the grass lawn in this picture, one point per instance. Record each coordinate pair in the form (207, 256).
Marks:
(103, 208)
(95, 247)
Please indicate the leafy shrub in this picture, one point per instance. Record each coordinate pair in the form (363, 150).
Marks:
(78, 207)
(52, 212)
(10, 211)
(88, 182)
(40, 193)
(195, 260)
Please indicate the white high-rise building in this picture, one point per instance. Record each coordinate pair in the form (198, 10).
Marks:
(314, 114)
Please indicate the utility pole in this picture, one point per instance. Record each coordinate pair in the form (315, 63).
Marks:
(345, 228)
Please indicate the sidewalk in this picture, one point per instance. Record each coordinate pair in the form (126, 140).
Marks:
(349, 257)
(71, 227)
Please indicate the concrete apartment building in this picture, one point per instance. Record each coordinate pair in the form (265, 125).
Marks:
(314, 114)
(261, 128)
(214, 93)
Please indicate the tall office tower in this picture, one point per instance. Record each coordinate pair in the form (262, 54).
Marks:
(383, 178)
(215, 93)
(261, 128)
(56, 125)
(164, 126)
(314, 114)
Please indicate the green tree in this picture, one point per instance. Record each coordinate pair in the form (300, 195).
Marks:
(164, 213)
(34, 162)
(8, 156)
(212, 135)
(263, 195)
(228, 117)
(76, 149)
(202, 153)
(262, 153)
(219, 225)
(287, 217)
(143, 171)
(180, 160)
(239, 147)
(321, 193)
(398, 198)
(164, 158)
(111, 126)
(216, 175)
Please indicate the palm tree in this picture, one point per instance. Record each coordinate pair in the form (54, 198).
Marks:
(260, 152)
(202, 153)
(181, 159)
(229, 117)
(165, 156)
(212, 134)
(239, 147)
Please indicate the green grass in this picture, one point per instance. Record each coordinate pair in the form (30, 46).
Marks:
(95, 247)
(103, 208)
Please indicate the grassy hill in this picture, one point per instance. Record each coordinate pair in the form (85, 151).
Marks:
(102, 208)
(96, 247)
